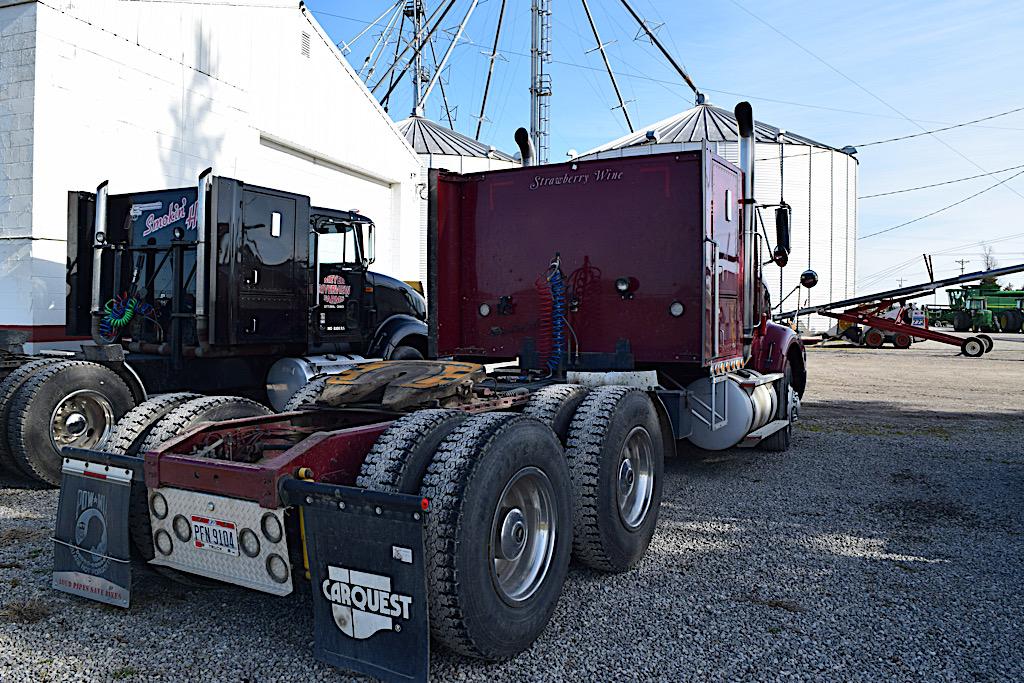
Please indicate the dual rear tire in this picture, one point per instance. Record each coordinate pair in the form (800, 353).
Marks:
(509, 505)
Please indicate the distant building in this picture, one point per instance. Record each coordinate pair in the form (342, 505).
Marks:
(818, 181)
(148, 94)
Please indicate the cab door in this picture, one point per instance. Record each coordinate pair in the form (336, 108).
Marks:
(271, 296)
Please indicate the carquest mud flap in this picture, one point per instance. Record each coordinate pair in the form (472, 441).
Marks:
(90, 554)
(365, 551)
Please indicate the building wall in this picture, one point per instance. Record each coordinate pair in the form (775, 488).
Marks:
(147, 95)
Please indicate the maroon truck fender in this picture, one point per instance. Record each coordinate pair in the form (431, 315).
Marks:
(776, 345)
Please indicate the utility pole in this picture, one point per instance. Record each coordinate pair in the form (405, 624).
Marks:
(962, 262)
(899, 281)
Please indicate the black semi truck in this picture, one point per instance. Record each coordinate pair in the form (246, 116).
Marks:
(224, 288)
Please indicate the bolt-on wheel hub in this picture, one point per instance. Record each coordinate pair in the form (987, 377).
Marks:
(636, 477)
(523, 534)
(82, 419)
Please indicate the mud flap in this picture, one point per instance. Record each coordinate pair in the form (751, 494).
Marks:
(368, 574)
(91, 542)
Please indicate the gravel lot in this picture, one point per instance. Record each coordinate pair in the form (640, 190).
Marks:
(885, 545)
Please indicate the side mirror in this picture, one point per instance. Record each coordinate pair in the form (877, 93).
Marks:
(371, 244)
(783, 243)
(808, 278)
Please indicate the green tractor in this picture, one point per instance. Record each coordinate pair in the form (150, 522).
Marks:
(975, 316)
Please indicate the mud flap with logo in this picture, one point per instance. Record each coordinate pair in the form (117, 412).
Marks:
(366, 563)
(90, 554)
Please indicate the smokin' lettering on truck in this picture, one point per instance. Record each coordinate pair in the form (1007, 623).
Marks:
(599, 176)
(175, 212)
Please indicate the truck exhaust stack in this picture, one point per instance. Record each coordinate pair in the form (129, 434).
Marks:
(526, 148)
(745, 119)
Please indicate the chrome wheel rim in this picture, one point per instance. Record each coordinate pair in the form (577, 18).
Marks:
(82, 419)
(635, 477)
(523, 534)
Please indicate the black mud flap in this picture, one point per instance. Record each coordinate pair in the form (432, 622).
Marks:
(91, 553)
(368, 576)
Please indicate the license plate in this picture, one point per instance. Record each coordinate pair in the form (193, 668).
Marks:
(214, 534)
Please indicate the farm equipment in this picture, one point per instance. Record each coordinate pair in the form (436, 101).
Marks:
(873, 319)
(985, 307)
(437, 497)
(282, 293)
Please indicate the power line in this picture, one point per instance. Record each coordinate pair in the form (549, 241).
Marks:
(939, 130)
(946, 182)
(950, 206)
(873, 95)
(677, 84)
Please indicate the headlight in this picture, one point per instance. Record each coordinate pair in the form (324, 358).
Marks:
(277, 568)
(271, 527)
(158, 504)
(163, 543)
(249, 542)
(182, 529)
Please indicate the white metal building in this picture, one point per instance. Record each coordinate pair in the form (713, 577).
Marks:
(818, 181)
(148, 94)
(442, 147)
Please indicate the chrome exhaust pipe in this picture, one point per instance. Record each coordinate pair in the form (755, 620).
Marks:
(99, 238)
(202, 330)
(745, 120)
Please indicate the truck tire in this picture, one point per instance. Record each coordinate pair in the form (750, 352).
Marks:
(987, 341)
(175, 423)
(972, 347)
(616, 459)
(399, 458)
(961, 321)
(70, 403)
(902, 340)
(306, 395)
(205, 409)
(1010, 321)
(405, 353)
(132, 429)
(873, 339)
(498, 534)
(555, 406)
(780, 441)
(8, 387)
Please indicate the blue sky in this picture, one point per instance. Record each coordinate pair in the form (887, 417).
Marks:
(935, 62)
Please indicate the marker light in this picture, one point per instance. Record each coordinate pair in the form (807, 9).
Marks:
(158, 504)
(271, 527)
(485, 310)
(622, 285)
(249, 542)
(277, 568)
(163, 542)
(676, 309)
(182, 529)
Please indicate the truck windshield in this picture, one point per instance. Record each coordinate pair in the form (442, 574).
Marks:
(340, 245)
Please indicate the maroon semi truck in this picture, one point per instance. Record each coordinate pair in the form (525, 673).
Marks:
(619, 310)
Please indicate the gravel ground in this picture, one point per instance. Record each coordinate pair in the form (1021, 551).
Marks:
(886, 545)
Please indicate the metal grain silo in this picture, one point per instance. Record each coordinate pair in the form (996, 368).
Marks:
(818, 181)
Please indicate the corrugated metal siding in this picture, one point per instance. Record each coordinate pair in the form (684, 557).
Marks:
(840, 221)
(820, 234)
(851, 234)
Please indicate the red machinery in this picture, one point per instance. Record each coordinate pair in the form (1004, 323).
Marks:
(867, 311)
(441, 498)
